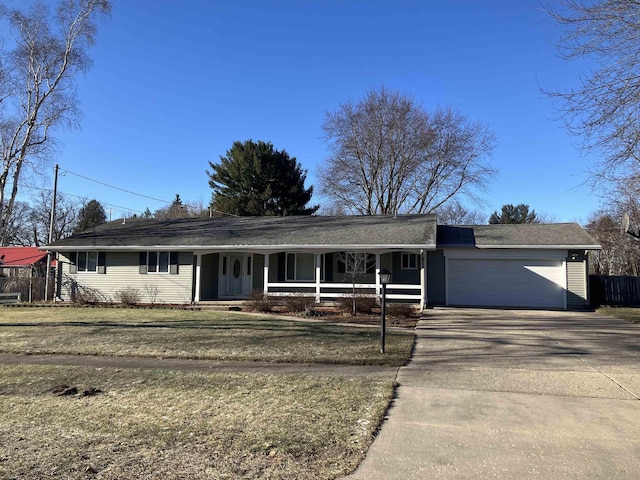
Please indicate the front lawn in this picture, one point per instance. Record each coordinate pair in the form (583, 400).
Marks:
(103, 423)
(194, 334)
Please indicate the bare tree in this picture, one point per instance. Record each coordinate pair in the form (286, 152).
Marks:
(389, 155)
(355, 266)
(179, 209)
(604, 109)
(620, 254)
(17, 231)
(28, 224)
(67, 212)
(453, 213)
(37, 85)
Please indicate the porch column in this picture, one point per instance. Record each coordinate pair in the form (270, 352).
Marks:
(378, 276)
(198, 271)
(266, 273)
(318, 257)
(423, 278)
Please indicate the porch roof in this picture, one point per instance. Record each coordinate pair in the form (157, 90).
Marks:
(254, 233)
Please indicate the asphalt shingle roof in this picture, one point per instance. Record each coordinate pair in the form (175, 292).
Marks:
(569, 235)
(309, 231)
(410, 230)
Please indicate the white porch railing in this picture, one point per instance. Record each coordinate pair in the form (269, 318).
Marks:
(336, 290)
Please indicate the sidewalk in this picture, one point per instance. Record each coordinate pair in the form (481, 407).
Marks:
(323, 369)
(514, 394)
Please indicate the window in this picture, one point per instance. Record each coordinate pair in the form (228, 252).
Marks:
(159, 262)
(354, 263)
(87, 262)
(300, 266)
(409, 261)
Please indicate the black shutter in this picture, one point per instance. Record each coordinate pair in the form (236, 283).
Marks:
(73, 260)
(342, 256)
(142, 263)
(173, 263)
(328, 267)
(102, 267)
(282, 265)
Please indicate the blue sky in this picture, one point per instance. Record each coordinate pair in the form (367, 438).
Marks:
(175, 83)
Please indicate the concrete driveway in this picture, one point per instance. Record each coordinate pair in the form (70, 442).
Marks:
(514, 395)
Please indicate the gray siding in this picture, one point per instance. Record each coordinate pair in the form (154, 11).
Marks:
(122, 271)
(405, 276)
(577, 297)
(436, 285)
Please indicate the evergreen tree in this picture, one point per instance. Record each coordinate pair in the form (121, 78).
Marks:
(514, 214)
(176, 210)
(91, 214)
(254, 178)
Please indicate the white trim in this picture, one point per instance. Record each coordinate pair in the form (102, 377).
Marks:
(564, 285)
(423, 280)
(378, 285)
(157, 266)
(86, 253)
(409, 256)
(319, 259)
(535, 247)
(254, 248)
(198, 277)
(265, 275)
(342, 285)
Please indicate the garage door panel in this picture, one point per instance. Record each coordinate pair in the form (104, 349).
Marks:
(495, 282)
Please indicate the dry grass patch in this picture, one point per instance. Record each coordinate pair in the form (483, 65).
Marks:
(629, 314)
(170, 425)
(194, 334)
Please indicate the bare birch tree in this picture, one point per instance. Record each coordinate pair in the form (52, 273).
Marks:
(37, 90)
(389, 155)
(604, 111)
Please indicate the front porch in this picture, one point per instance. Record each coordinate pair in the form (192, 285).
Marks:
(326, 276)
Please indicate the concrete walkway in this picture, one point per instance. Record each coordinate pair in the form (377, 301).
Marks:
(514, 395)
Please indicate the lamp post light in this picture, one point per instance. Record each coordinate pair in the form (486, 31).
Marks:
(385, 277)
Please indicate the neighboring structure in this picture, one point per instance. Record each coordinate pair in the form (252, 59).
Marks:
(22, 261)
(193, 260)
(22, 270)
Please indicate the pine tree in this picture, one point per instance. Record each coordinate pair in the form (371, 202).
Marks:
(254, 178)
(514, 214)
(91, 215)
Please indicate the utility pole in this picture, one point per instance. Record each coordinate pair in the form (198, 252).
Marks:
(52, 220)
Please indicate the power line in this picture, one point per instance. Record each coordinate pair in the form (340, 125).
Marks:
(116, 188)
(62, 170)
(119, 207)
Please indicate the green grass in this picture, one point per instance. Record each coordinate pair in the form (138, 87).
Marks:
(624, 313)
(210, 335)
(174, 425)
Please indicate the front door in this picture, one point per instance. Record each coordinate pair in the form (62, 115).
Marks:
(235, 277)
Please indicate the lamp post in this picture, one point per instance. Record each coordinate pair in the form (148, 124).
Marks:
(385, 277)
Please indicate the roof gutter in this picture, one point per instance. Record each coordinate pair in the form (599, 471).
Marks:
(265, 248)
(542, 247)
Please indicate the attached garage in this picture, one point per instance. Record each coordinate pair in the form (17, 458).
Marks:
(516, 265)
(533, 283)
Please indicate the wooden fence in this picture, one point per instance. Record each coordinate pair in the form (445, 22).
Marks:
(31, 289)
(619, 291)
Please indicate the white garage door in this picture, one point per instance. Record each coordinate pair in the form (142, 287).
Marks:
(505, 283)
